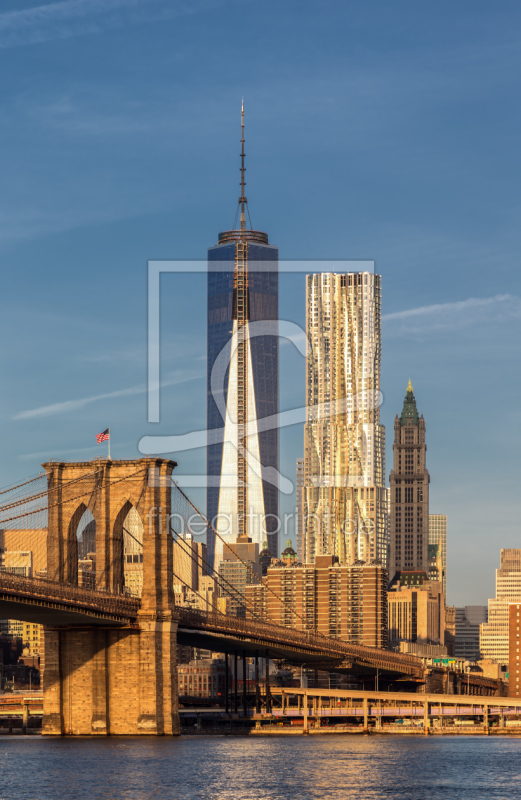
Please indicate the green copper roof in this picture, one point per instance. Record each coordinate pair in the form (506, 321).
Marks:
(409, 411)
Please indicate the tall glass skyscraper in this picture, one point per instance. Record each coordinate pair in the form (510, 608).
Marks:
(344, 495)
(438, 536)
(242, 385)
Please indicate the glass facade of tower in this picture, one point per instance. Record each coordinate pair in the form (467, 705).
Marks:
(344, 494)
(236, 378)
(438, 536)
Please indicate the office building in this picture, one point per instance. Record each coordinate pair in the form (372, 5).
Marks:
(266, 560)
(193, 587)
(450, 629)
(13, 628)
(242, 385)
(468, 622)
(438, 536)
(409, 481)
(31, 562)
(434, 563)
(32, 543)
(18, 562)
(239, 567)
(190, 561)
(344, 494)
(514, 633)
(299, 526)
(494, 633)
(416, 613)
(202, 678)
(132, 553)
(347, 602)
(86, 534)
(32, 638)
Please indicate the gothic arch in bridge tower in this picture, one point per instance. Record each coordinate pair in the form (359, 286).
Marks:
(81, 567)
(117, 570)
(127, 534)
(71, 545)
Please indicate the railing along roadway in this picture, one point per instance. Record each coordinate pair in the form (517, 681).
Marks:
(332, 648)
(46, 589)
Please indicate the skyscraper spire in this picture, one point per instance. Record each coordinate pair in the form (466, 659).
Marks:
(241, 232)
(242, 199)
(409, 412)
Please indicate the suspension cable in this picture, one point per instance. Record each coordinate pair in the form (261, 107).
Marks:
(237, 592)
(71, 499)
(268, 588)
(47, 491)
(19, 485)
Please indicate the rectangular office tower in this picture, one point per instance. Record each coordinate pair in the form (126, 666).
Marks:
(344, 494)
(242, 387)
(494, 633)
(438, 537)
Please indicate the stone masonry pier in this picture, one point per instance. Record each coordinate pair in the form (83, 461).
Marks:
(121, 679)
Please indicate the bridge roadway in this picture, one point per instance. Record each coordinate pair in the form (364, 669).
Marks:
(351, 702)
(294, 711)
(224, 633)
(61, 605)
(293, 702)
(47, 602)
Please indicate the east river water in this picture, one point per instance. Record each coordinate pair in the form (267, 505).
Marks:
(329, 767)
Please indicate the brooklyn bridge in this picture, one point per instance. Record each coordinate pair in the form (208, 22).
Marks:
(110, 649)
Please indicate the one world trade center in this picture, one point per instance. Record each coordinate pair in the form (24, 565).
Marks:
(242, 385)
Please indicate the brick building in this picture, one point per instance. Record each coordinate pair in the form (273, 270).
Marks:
(347, 602)
(514, 631)
(202, 678)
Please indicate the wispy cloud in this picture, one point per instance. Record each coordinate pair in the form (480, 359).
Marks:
(445, 316)
(53, 452)
(185, 350)
(181, 376)
(63, 20)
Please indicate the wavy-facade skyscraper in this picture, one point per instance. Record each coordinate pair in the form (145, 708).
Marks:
(344, 496)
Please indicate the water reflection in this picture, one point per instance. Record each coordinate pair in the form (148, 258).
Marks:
(279, 768)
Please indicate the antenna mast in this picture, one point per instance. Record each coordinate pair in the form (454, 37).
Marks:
(242, 199)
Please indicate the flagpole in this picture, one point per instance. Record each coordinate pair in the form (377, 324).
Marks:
(109, 444)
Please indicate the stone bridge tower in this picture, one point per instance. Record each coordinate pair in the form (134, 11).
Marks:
(113, 679)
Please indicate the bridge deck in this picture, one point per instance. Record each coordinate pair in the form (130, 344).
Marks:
(61, 605)
(47, 602)
(220, 632)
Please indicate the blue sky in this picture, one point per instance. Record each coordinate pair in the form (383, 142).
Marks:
(374, 130)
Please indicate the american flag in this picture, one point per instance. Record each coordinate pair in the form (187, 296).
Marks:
(104, 436)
